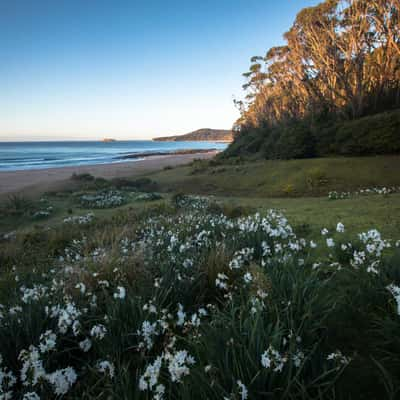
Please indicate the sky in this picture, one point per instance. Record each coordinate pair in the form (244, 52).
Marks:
(127, 69)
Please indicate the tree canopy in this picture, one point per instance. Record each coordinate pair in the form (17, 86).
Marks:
(340, 61)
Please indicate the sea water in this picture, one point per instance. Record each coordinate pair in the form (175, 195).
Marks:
(38, 155)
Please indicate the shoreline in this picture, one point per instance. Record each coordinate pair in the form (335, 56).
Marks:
(33, 182)
(165, 153)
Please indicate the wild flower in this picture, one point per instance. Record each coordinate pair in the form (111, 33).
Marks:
(79, 219)
(220, 281)
(31, 396)
(105, 199)
(297, 358)
(67, 316)
(159, 392)
(247, 277)
(62, 380)
(33, 294)
(271, 358)
(85, 345)
(7, 382)
(81, 287)
(187, 263)
(330, 242)
(150, 377)
(120, 293)
(98, 331)
(395, 291)
(147, 332)
(244, 393)
(338, 357)
(42, 213)
(178, 364)
(106, 368)
(32, 368)
(340, 227)
(47, 341)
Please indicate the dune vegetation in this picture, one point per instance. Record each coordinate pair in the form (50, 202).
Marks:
(123, 289)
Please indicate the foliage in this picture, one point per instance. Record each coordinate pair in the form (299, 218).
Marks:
(194, 304)
(307, 97)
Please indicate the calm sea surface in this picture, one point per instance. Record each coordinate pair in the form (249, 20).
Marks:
(37, 155)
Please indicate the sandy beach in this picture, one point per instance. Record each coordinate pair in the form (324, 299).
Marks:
(33, 182)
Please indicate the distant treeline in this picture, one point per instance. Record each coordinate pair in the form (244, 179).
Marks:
(333, 88)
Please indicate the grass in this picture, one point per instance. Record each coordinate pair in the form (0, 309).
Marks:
(329, 309)
(297, 187)
(281, 178)
(315, 213)
(294, 307)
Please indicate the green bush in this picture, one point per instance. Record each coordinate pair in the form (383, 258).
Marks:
(370, 135)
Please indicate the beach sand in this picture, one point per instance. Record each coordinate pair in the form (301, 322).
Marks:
(34, 182)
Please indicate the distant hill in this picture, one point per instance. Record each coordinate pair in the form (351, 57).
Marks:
(204, 134)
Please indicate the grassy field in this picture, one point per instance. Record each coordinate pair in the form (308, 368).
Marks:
(281, 178)
(297, 187)
(161, 295)
(310, 214)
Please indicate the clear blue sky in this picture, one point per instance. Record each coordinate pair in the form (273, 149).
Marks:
(86, 69)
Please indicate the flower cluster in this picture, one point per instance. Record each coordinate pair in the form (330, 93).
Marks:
(105, 199)
(79, 219)
(43, 213)
(148, 281)
(384, 191)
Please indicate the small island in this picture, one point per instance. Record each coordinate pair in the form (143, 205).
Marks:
(204, 134)
(109, 140)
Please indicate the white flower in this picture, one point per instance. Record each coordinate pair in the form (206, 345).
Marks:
(47, 341)
(272, 358)
(62, 380)
(338, 357)
(32, 369)
(7, 382)
(85, 345)
(242, 390)
(150, 377)
(178, 364)
(247, 277)
(220, 282)
(148, 331)
(297, 358)
(324, 231)
(31, 396)
(120, 294)
(340, 227)
(106, 366)
(181, 315)
(81, 286)
(330, 242)
(98, 331)
(265, 360)
(395, 290)
(159, 392)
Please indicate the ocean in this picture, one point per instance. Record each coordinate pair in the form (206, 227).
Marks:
(38, 155)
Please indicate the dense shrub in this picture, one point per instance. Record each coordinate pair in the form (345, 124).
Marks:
(370, 135)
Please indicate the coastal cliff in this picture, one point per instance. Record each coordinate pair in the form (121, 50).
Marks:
(205, 134)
